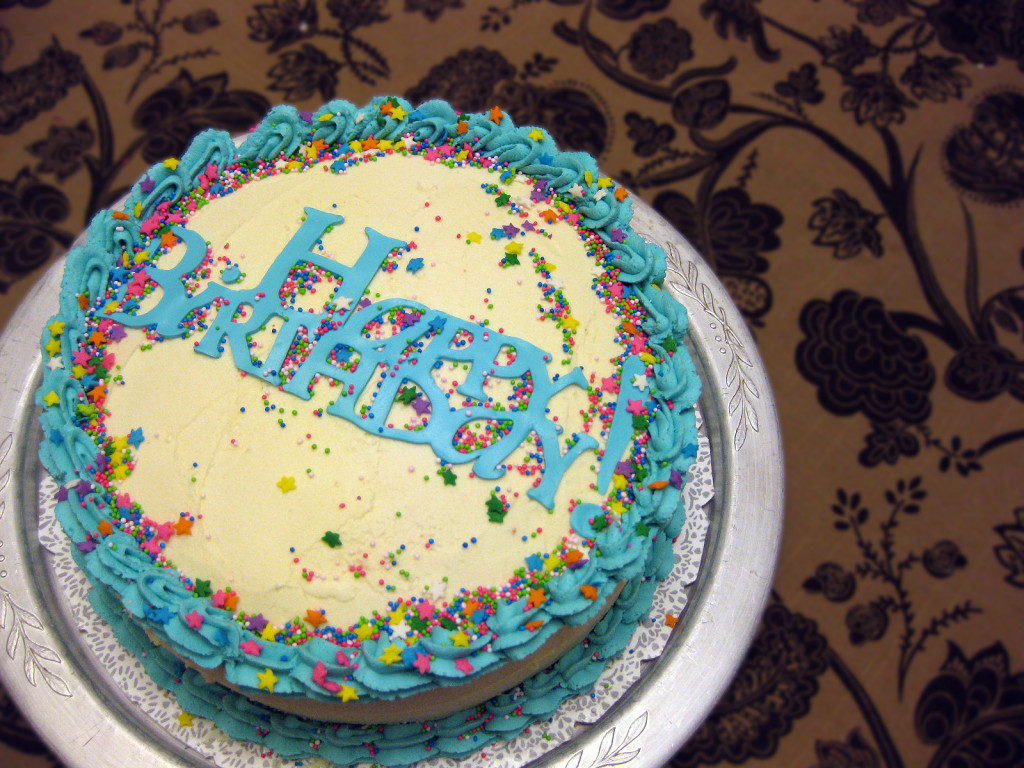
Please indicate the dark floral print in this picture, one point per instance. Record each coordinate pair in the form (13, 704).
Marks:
(861, 361)
(986, 157)
(887, 442)
(846, 49)
(879, 13)
(172, 115)
(855, 752)
(943, 558)
(735, 233)
(656, 50)
(743, 19)
(626, 10)
(30, 211)
(282, 23)
(935, 78)
(37, 87)
(845, 226)
(571, 115)
(973, 710)
(982, 372)
(866, 623)
(703, 105)
(304, 72)
(60, 153)
(352, 14)
(981, 31)
(1010, 553)
(801, 86)
(432, 9)
(874, 98)
(647, 134)
(467, 79)
(833, 581)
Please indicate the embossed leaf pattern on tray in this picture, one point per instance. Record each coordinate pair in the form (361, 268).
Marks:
(610, 754)
(19, 622)
(740, 389)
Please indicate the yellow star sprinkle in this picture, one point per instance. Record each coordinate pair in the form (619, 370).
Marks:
(325, 117)
(536, 134)
(385, 144)
(171, 163)
(140, 257)
(460, 640)
(365, 631)
(51, 398)
(398, 113)
(619, 482)
(53, 347)
(137, 210)
(397, 616)
(462, 155)
(185, 720)
(391, 654)
(588, 178)
(267, 680)
(515, 248)
(551, 562)
(570, 322)
(286, 484)
(604, 181)
(120, 472)
(112, 306)
(355, 145)
(473, 237)
(348, 693)
(119, 443)
(78, 371)
(617, 508)
(56, 327)
(269, 633)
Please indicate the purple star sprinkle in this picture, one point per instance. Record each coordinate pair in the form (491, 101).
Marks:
(83, 487)
(624, 468)
(307, 116)
(146, 185)
(421, 405)
(256, 623)
(618, 236)
(675, 478)
(117, 332)
(61, 494)
(528, 227)
(511, 230)
(86, 546)
(364, 302)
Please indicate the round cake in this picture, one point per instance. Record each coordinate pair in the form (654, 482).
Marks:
(370, 430)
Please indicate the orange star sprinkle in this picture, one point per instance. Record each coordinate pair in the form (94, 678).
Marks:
(462, 126)
(97, 393)
(496, 114)
(168, 240)
(119, 215)
(671, 620)
(537, 598)
(589, 591)
(83, 300)
(315, 618)
(183, 527)
(105, 527)
(572, 556)
(621, 194)
(231, 600)
(370, 143)
(97, 338)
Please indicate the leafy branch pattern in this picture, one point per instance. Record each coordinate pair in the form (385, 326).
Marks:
(881, 562)
(741, 391)
(610, 754)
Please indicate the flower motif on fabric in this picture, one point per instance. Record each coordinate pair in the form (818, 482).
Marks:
(973, 710)
(845, 226)
(302, 73)
(60, 153)
(984, 32)
(38, 86)
(32, 211)
(985, 158)
(861, 361)
(648, 135)
(282, 23)
(873, 98)
(1010, 553)
(772, 690)
(657, 49)
(935, 78)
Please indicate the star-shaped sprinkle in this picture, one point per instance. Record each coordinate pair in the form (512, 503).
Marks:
(496, 115)
(51, 398)
(422, 663)
(315, 618)
(635, 407)
(463, 666)
(589, 591)
(251, 647)
(398, 113)
(570, 322)
(511, 259)
(194, 620)
(267, 680)
(447, 475)
(185, 720)
(460, 640)
(421, 405)
(86, 546)
(171, 163)
(640, 382)
(135, 437)
(406, 395)
(168, 240)
(347, 693)
(495, 510)
(536, 134)
(183, 527)
(473, 237)
(391, 655)
(269, 633)
(286, 484)
(414, 265)
(332, 539)
(537, 598)
(146, 185)
(610, 385)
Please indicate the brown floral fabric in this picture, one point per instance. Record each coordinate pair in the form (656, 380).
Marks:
(852, 170)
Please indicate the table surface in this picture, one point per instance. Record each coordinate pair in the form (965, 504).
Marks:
(852, 172)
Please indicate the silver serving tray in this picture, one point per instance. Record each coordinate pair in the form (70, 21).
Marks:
(63, 691)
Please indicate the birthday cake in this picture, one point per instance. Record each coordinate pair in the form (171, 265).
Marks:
(370, 430)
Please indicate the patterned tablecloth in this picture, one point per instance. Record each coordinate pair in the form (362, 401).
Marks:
(853, 172)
